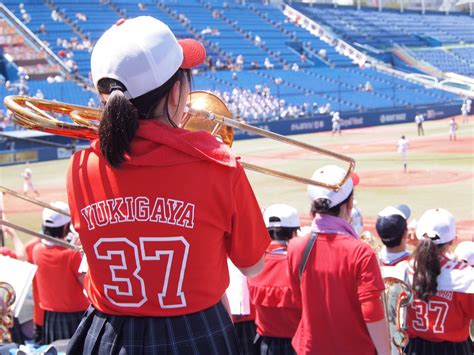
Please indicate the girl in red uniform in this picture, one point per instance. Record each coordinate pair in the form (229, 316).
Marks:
(278, 311)
(439, 316)
(159, 209)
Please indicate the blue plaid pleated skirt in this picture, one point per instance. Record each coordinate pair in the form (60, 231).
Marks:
(418, 346)
(274, 346)
(60, 325)
(246, 332)
(206, 332)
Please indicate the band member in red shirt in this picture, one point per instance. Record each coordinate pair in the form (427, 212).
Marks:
(159, 209)
(58, 281)
(443, 287)
(278, 312)
(337, 277)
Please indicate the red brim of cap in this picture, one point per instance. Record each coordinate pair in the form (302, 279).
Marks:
(355, 179)
(194, 53)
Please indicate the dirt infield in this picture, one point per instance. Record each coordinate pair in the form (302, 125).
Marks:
(391, 178)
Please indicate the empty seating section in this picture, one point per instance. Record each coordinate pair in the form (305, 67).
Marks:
(384, 29)
(450, 60)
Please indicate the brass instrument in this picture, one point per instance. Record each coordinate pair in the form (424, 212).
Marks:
(204, 112)
(7, 295)
(396, 298)
(30, 232)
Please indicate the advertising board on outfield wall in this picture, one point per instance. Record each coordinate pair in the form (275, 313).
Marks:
(323, 123)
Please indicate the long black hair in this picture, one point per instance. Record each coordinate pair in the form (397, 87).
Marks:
(427, 268)
(119, 120)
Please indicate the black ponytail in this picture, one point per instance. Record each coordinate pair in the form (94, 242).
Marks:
(118, 124)
(119, 121)
(427, 268)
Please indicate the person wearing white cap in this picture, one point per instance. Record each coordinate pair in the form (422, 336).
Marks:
(278, 312)
(392, 227)
(337, 277)
(443, 288)
(465, 252)
(403, 151)
(58, 281)
(158, 208)
(27, 175)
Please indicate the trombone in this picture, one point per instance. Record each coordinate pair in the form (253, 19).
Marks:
(204, 111)
(50, 239)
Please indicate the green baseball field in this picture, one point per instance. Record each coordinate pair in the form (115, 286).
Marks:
(440, 173)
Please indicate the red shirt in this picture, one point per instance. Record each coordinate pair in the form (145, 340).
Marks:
(341, 272)
(38, 313)
(278, 313)
(58, 287)
(5, 251)
(157, 231)
(445, 317)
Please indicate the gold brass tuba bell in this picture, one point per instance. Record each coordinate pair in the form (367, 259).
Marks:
(7, 295)
(396, 298)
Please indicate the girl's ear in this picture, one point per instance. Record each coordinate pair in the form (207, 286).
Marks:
(175, 93)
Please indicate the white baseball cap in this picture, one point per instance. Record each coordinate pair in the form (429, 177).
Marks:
(332, 174)
(281, 215)
(55, 219)
(143, 54)
(437, 224)
(465, 251)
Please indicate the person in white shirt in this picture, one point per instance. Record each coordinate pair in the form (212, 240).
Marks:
(453, 127)
(28, 182)
(403, 149)
(336, 123)
(419, 119)
(465, 113)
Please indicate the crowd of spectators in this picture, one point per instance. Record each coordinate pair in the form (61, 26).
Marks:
(261, 105)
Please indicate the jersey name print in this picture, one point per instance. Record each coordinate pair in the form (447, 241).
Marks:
(139, 209)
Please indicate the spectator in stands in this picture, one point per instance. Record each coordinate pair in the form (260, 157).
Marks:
(267, 64)
(419, 119)
(210, 62)
(81, 16)
(141, 6)
(42, 28)
(60, 289)
(368, 86)
(91, 103)
(55, 16)
(295, 67)
(39, 94)
(239, 62)
(254, 65)
(220, 65)
(258, 40)
(323, 53)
